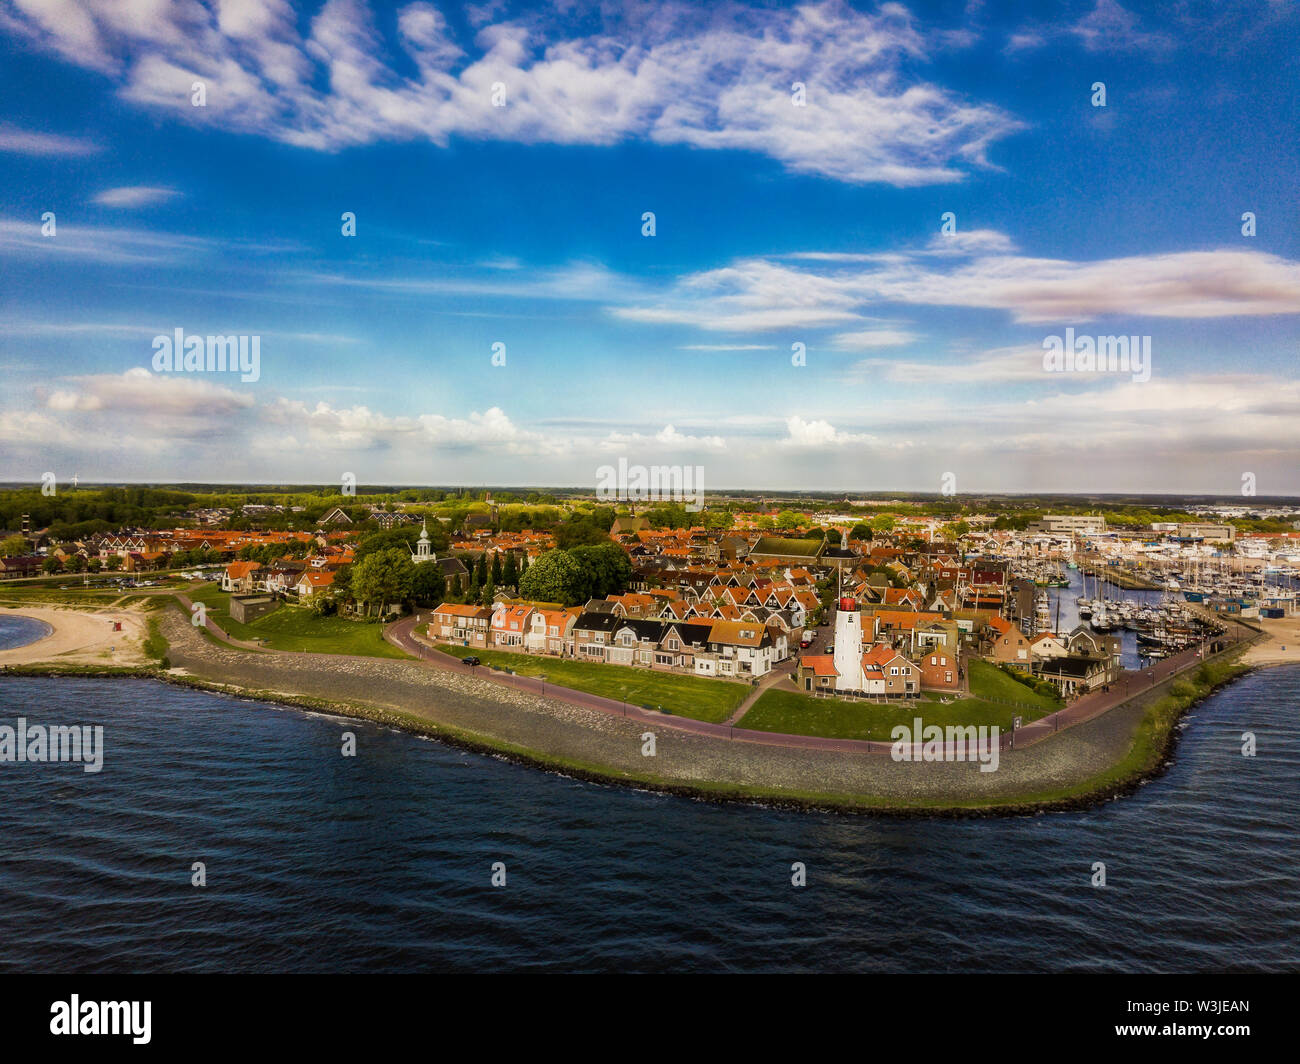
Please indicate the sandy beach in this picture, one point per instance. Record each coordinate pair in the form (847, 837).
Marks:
(1281, 647)
(80, 637)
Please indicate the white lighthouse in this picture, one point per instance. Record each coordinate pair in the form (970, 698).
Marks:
(848, 646)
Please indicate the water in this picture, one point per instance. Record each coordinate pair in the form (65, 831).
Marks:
(1068, 597)
(18, 631)
(317, 862)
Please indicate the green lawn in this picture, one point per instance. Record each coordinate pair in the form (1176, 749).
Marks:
(687, 696)
(53, 596)
(988, 681)
(795, 713)
(298, 629)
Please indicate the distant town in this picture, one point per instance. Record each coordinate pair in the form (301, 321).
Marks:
(873, 600)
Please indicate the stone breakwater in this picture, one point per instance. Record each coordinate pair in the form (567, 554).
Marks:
(589, 744)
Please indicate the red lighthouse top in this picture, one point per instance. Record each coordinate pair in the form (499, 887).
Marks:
(848, 604)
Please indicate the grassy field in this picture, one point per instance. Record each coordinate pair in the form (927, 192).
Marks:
(53, 596)
(298, 629)
(155, 645)
(988, 681)
(686, 696)
(794, 713)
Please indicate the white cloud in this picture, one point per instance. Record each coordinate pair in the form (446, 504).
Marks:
(132, 196)
(971, 242)
(820, 434)
(30, 142)
(726, 347)
(759, 294)
(867, 339)
(671, 76)
(1110, 28)
(666, 440)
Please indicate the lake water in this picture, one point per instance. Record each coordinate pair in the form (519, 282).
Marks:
(382, 862)
(18, 631)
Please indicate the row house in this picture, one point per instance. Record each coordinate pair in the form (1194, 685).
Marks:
(510, 624)
(1077, 674)
(740, 649)
(240, 577)
(941, 670)
(466, 625)
(312, 582)
(282, 576)
(21, 565)
(1006, 643)
(887, 672)
(550, 631)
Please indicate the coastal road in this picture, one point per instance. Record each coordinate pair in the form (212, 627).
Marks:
(402, 634)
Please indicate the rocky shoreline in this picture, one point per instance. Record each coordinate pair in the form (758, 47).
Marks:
(1054, 775)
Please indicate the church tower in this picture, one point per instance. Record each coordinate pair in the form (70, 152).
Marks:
(423, 548)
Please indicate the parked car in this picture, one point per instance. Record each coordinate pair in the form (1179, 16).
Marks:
(804, 644)
(471, 660)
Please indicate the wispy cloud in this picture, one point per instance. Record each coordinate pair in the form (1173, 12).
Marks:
(763, 294)
(31, 142)
(131, 196)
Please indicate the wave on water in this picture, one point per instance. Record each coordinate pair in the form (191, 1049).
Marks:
(318, 862)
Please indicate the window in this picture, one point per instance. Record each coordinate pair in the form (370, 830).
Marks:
(947, 677)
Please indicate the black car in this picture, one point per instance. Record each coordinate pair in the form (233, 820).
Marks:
(471, 660)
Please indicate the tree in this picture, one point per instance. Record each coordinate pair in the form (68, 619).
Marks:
(555, 577)
(481, 570)
(883, 523)
(606, 567)
(12, 546)
(383, 577)
(342, 586)
(403, 538)
(496, 567)
(861, 530)
(428, 585)
(52, 564)
(670, 515)
(457, 588)
(76, 564)
(510, 571)
(489, 594)
(94, 565)
(579, 530)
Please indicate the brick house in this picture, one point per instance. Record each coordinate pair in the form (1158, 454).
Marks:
(466, 625)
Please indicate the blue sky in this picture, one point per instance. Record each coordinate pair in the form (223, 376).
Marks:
(776, 225)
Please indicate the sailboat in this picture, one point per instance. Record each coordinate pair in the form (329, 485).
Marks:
(1101, 621)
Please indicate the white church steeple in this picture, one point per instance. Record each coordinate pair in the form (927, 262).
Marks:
(423, 548)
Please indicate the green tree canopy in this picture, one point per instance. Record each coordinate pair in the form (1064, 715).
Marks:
(383, 577)
(555, 577)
